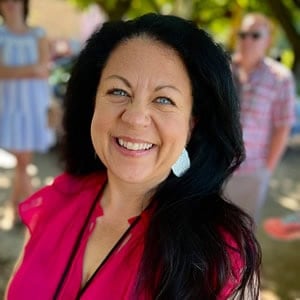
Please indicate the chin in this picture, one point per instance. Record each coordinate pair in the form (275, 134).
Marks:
(140, 177)
(129, 175)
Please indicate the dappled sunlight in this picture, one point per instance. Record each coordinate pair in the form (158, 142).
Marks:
(36, 182)
(5, 182)
(6, 218)
(290, 203)
(48, 180)
(7, 160)
(269, 295)
(286, 189)
(284, 184)
(32, 170)
(42, 172)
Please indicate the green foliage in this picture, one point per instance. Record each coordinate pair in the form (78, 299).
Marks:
(82, 3)
(219, 17)
(287, 57)
(139, 7)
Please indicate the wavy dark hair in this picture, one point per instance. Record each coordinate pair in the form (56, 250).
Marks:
(186, 255)
(26, 9)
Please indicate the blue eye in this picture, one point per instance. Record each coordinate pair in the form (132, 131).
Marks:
(164, 100)
(118, 92)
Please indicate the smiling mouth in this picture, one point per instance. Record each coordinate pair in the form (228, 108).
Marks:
(134, 146)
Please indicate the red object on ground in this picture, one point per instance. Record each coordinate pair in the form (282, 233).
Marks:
(286, 228)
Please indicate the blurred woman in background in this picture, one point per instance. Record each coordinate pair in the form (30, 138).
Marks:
(24, 96)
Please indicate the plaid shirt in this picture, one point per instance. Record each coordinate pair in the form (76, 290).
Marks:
(267, 101)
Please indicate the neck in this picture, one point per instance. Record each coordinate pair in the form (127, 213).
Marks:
(249, 65)
(125, 197)
(16, 25)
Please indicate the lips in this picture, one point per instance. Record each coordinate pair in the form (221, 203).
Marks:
(134, 146)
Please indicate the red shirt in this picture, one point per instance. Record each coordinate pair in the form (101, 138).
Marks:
(55, 215)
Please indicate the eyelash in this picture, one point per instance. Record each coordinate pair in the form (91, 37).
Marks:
(121, 93)
(165, 99)
(118, 92)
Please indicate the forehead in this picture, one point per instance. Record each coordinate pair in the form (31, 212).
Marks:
(254, 22)
(149, 62)
(144, 49)
(145, 41)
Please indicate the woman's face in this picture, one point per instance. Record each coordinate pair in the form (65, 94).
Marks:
(142, 118)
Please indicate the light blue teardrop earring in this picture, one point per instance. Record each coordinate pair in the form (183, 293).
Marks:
(182, 164)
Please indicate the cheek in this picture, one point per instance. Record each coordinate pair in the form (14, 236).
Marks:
(177, 130)
(102, 117)
(98, 126)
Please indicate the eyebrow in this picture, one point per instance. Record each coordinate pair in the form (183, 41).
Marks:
(120, 78)
(167, 86)
(127, 83)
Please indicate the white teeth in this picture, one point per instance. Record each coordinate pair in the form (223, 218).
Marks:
(134, 146)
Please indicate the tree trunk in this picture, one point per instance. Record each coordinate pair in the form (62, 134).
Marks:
(116, 12)
(296, 70)
(281, 12)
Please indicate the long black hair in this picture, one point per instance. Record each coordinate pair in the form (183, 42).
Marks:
(186, 254)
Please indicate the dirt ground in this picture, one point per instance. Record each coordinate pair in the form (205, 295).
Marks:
(281, 263)
(43, 170)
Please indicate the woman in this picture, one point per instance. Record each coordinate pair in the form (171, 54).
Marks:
(151, 133)
(24, 95)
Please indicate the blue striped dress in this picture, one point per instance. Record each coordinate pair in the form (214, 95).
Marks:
(23, 102)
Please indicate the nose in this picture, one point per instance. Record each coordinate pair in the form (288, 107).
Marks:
(136, 115)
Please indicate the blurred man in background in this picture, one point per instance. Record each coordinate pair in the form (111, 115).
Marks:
(267, 98)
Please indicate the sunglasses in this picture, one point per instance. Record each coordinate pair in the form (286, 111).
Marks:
(254, 35)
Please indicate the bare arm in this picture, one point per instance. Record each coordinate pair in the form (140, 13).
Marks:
(44, 52)
(42, 68)
(278, 144)
(27, 71)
